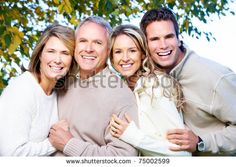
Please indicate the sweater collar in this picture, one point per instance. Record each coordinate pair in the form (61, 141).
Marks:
(96, 77)
(176, 71)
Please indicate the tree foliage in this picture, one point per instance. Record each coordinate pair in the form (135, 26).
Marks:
(21, 21)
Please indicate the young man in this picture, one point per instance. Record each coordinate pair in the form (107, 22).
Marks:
(209, 88)
(92, 98)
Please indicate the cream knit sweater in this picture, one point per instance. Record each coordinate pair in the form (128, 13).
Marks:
(26, 115)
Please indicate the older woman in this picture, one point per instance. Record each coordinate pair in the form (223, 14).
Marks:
(28, 105)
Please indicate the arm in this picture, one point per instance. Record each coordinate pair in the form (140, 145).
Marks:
(16, 116)
(75, 146)
(223, 106)
(127, 131)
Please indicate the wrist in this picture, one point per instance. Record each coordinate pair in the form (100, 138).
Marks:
(200, 147)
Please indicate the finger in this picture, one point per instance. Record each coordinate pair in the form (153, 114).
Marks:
(128, 118)
(176, 131)
(113, 129)
(52, 131)
(114, 134)
(115, 125)
(117, 120)
(174, 141)
(175, 148)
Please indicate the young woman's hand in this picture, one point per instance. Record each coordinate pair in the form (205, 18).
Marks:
(118, 126)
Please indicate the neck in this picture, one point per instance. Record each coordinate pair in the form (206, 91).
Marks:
(180, 57)
(47, 87)
(132, 80)
(46, 84)
(87, 74)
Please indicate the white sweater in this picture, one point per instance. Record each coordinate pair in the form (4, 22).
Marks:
(156, 116)
(26, 115)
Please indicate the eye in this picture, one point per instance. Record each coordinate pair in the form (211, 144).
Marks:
(117, 52)
(170, 36)
(98, 42)
(66, 53)
(133, 50)
(82, 40)
(154, 39)
(50, 51)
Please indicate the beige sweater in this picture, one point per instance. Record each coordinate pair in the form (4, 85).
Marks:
(210, 110)
(88, 106)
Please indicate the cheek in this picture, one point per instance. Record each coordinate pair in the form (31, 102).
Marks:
(154, 58)
(150, 46)
(44, 59)
(67, 61)
(138, 64)
(115, 60)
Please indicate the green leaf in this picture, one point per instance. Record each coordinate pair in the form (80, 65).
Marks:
(109, 7)
(2, 29)
(7, 39)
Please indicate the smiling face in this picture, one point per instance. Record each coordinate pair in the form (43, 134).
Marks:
(163, 44)
(127, 56)
(92, 49)
(55, 60)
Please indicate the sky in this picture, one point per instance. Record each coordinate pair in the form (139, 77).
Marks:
(221, 50)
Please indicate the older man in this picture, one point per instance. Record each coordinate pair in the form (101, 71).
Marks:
(92, 98)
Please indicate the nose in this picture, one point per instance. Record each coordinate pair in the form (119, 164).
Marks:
(89, 47)
(163, 44)
(125, 57)
(58, 58)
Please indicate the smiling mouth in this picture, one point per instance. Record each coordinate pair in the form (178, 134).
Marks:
(56, 68)
(126, 65)
(88, 57)
(167, 53)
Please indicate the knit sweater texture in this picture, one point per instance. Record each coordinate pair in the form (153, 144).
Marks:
(157, 114)
(210, 111)
(88, 106)
(26, 115)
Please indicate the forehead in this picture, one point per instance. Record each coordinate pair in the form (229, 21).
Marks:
(160, 28)
(92, 30)
(54, 41)
(123, 39)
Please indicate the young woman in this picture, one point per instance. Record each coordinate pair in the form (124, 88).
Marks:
(159, 97)
(28, 105)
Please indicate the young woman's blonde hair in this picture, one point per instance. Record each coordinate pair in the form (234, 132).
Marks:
(170, 86)
(140, 41)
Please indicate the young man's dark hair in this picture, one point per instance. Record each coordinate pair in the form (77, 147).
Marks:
(160, 14)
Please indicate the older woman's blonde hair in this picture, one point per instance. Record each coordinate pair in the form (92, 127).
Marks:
(148, 68)
(65, 34)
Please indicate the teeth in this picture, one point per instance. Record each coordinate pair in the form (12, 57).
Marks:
(56, 69)
(89, 57)
(164, 53)
(126, 65)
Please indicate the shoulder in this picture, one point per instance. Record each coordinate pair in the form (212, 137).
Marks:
(22, 85)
